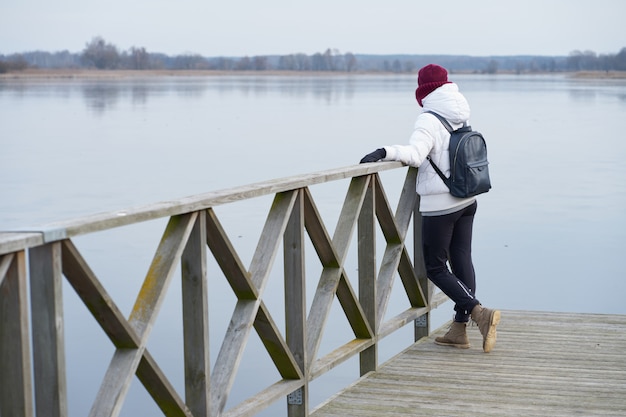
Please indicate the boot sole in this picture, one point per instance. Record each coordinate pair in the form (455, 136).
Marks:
(490, 341)
(455, 345)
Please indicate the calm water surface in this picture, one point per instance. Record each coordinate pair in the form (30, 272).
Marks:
(549, 236)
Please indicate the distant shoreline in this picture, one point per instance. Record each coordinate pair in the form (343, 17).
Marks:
(69, 74)
(600, 74)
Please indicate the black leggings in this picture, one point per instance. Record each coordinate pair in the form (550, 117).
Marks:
(449, 238)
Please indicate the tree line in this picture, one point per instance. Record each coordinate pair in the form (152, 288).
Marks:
(102, 55)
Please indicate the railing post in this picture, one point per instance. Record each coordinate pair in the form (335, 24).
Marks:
(15, 378)
(195, 320)
(368, 359)
(46, 279)
(295, 304)
(422, 324)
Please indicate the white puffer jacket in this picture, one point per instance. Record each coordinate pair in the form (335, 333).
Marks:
(430, 137)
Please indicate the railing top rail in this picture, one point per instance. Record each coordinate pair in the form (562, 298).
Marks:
(24, 238)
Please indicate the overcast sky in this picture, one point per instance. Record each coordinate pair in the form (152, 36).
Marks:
(267, 27)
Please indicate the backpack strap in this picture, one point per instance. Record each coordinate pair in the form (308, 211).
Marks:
(442, 119)
(446, 124)
(443, 177)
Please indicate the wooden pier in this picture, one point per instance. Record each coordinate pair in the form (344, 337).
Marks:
(544, 364)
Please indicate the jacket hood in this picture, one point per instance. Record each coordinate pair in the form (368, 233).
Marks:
(448, 102)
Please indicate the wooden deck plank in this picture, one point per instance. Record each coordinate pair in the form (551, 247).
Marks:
(544, 364)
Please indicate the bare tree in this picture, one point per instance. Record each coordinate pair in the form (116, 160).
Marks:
(620, 60)
(100, 54)
(244, 64)
(329, 62)
(259, 63)
(492, 67)
(14, 63)
(351, 63)
(190, 61)
(139, 59)
(303, 62)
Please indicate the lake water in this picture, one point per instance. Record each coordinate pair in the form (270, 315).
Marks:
(549, 236)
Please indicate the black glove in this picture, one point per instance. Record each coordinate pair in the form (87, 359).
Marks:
(377, 155)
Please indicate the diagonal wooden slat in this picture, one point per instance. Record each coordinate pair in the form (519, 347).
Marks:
(275, 345)
(320, 308)
(385, 216)
(348, 217)
(163, 265)
(352, 309)
(228, 359)
(226, 257)
(116, 382)
(406, 203)
(395, 227)
(271, 238)
(318, 234)
(409, 280)
(161, 391)
(231, 351)
(96, 299)
(386, 276)
(330, 277)
(125, 361)
(5, 263)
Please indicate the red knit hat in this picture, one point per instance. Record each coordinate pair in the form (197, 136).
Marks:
(430, 78)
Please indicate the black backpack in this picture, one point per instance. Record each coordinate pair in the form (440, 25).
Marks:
(469, 167)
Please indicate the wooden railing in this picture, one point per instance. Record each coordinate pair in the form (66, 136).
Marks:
(193, 227)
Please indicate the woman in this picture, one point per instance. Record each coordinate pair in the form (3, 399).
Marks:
(446, 220)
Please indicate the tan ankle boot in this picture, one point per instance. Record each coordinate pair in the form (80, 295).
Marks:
(487, 320)
(456, 336)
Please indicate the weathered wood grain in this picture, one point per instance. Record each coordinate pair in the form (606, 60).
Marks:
(368, 359)
(294, 276)
(196, 319)
(544, 364)
(15, 241)
(15, 376)
(48, 334)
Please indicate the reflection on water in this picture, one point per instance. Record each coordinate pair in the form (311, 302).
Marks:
(103, 95)
(99, 98)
